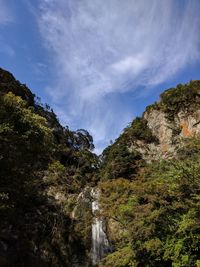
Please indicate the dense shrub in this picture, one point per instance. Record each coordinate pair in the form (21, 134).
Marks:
(181, 97)
(160, 210)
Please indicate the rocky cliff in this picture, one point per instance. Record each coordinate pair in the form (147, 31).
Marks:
(171, 131)
(161, 130)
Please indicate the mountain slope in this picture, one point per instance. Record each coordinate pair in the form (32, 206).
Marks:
(159, 133)
(150, 185)
(43, 167)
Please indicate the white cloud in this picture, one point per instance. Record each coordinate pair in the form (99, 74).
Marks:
(100, 46)
(130, 64)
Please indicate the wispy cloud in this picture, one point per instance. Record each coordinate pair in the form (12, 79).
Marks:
(6, 15)
(100, 47)
(6, 49)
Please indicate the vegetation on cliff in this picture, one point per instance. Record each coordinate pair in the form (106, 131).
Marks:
(160, 212)
(120, 159)
(182, 97)
(42, 164)
(153, 211)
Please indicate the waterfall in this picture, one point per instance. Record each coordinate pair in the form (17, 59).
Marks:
(100, 244)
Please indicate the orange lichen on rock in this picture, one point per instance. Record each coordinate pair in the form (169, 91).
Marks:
(186, 132)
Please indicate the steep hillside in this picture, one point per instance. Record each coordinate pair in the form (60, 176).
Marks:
(159, 133)
(150, 185)
(43, 167)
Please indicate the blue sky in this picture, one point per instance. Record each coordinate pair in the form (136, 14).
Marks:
(98, 63)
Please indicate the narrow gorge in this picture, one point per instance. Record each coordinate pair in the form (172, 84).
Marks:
(136, 205)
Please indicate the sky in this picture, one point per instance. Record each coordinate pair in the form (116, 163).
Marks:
(99, 63)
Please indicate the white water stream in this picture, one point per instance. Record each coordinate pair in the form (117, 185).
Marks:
(100, 244)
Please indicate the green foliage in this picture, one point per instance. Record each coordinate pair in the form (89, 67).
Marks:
(21, 124)
(42, 167)
(156, 206)
(176, 99)
(190, 147)
(181, 97)
(140, 130)
(9, 84)
(121, 159)
(160, 210)
(115, 199)
(118, 162)
(154, 106)
(122, 258)
(56, 167)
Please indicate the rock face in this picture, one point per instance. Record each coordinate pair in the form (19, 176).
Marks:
(171, 122)
(189, 123)
(170, 134)
(81, 216)
(83, 204)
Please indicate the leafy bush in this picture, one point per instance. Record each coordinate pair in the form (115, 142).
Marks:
(118, 162)
(181, 97)
(160, 210)
(140, 130)
(123, 257)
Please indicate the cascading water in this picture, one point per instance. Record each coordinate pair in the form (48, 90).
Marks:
(100, 244)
